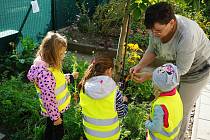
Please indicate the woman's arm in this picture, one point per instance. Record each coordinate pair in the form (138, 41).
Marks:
(147, 59)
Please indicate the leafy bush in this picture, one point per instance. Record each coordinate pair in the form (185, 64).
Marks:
(73, 123)
(108, 17)
(72, 63)
(84, 23)
(138, 34)
(19, 60)
(19, 110)
(198, 16)
(133, 124)
(136, 92)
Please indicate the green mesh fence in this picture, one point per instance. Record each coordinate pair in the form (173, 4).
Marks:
(13, 12)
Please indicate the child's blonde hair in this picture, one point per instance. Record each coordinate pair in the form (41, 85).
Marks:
(50, 49)
(98, 66)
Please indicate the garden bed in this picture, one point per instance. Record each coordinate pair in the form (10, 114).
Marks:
(89, 49)
(88, 43)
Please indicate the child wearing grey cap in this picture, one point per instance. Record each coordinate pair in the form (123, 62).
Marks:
(167, 109)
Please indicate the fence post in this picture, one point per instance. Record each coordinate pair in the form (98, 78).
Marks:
(53, 14)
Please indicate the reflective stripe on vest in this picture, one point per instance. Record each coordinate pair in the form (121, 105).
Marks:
(167, 134)
(101, 134)
(100, 122)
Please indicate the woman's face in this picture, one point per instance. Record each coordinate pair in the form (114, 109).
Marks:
(162, 30)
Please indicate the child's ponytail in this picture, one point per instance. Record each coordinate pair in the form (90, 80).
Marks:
(99, 65)
(88, 74)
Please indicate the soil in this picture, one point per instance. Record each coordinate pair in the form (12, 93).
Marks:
(73, 34)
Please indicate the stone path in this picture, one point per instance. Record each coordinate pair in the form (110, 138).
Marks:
(201, 126)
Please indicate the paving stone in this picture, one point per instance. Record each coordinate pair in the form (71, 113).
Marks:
(204, 112)
(201, 125)
(203, 132)
(206, 93)
(205, 100)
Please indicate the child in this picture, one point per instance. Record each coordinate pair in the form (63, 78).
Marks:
(51, 83)
(167, 108)
(101, 101)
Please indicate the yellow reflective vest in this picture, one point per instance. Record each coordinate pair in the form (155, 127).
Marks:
(174, 109)
(62, 94)
(100, 118)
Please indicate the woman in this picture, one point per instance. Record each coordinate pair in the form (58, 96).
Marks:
(179, 40)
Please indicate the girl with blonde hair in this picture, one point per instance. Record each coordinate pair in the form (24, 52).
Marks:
(51, 83)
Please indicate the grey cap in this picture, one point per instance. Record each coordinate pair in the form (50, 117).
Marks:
(166, 77)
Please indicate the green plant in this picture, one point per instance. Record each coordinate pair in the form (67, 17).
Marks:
(206, 8)
(108, 17)
(138, 34)
(19, 109)
(198, 16)
(73, 123)
(133, 124)
(71, 63)
(19, 60)
(136, 92)
(84, 23)
(24, 53)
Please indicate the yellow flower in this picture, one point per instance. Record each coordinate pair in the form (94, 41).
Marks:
(130, 45)
(130, 60)
(134, 55)
(136, 47)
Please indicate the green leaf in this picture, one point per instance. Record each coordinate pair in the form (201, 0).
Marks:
(138, 1)
(137, 14)
(143, 7)
(134, 6)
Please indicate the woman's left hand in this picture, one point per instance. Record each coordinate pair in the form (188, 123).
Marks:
(142, 77)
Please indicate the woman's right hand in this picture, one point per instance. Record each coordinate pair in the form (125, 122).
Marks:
(137, 68)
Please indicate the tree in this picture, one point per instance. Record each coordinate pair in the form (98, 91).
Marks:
(134, 8)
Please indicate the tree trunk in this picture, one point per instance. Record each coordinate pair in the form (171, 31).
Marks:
(121, 43)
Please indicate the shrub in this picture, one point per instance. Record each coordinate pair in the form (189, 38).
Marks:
(133, 124)
(19, 110)
(19, 60)
(108, 17)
